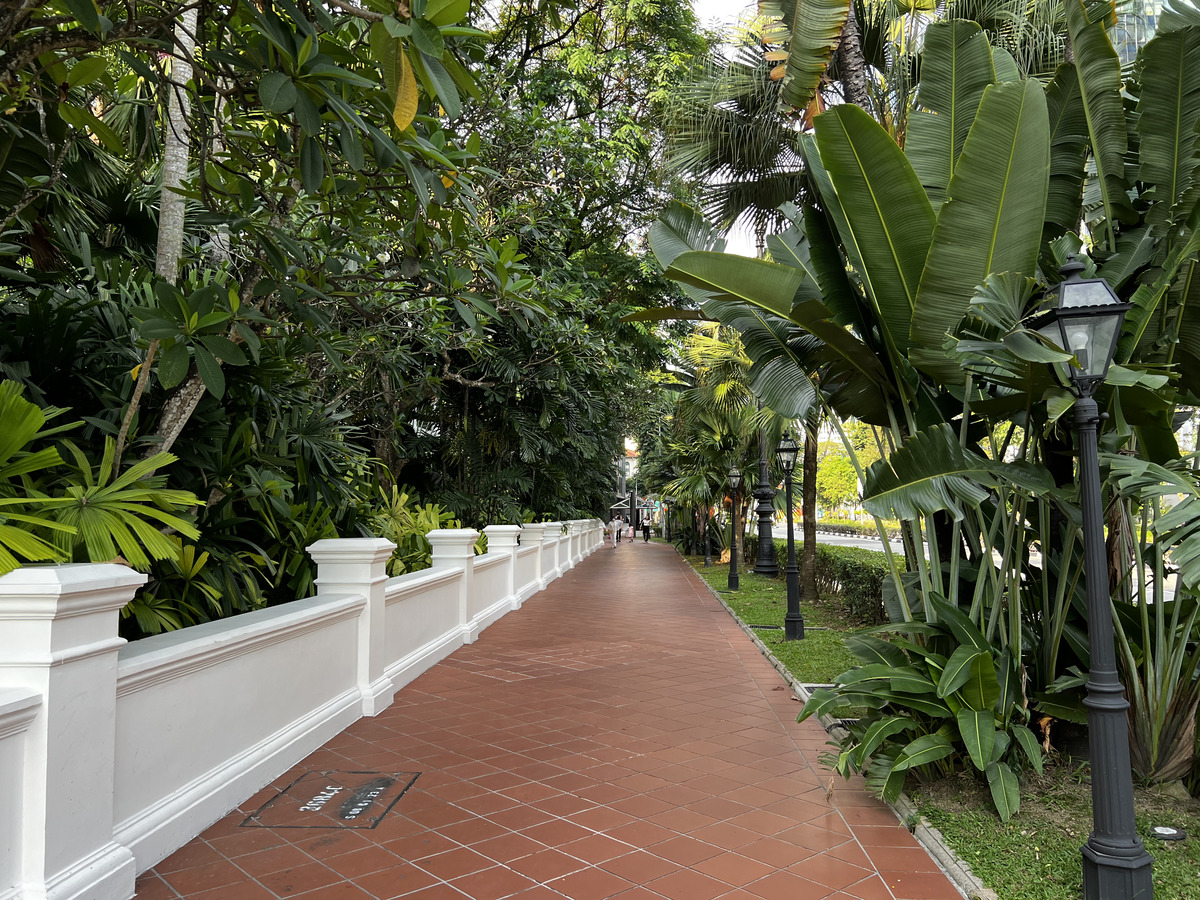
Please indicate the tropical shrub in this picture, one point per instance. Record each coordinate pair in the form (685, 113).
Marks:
(406, 523)
(937, 692)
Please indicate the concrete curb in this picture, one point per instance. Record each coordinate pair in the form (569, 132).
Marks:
(931, 839)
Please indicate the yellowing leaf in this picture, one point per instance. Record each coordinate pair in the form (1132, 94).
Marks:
(776, 56)
(406, 95)
(779, 71)
(448, 180)
(133, 373)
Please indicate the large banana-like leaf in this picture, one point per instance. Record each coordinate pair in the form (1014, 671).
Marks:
(1177, 529)
(681, 228)
(1148, 296)
(992, 221)
(886, 211)
(858, 383)
(1100, 83)
(1068, 149)
(955, 68)
(1168, 112)
(930, 473)
(810, 30)
(1186, 300)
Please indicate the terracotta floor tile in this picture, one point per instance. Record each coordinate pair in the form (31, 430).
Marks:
(734, 869)
(492, 884)
(826, 870)
(343, 891)
(195, 879)
(686, 851)
(151, 887)
(264, 862)
(398, 881)
(508, 847)
(197, 853)
(595, 848)
(688, 885)
(920, 886)
(786, 886)
(546, 865)
(640, 867)
(590, 884)
(300, 879)
(419, 846)
(453, 863)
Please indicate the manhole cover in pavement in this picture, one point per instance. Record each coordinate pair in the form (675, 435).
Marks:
(333, 800)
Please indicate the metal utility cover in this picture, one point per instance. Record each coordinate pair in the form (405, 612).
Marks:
(333, 799)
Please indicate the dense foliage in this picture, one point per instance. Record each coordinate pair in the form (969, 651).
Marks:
(343, 261)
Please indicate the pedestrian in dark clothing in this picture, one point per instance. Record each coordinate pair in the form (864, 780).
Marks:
(646, 532)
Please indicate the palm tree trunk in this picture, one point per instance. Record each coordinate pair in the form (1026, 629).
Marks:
(851, 63)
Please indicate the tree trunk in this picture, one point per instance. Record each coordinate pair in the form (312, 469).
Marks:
(808, 491)
(851, 64)
(171, 204)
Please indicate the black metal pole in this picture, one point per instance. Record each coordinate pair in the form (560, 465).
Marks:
(793, 621)
(1116, 865)
(767, 562)
(734, 581)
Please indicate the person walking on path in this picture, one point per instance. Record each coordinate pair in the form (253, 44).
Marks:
(646, 531)
(614, 530)
(619, 527)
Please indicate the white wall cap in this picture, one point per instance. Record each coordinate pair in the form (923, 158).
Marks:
(18, 706)
(351, 550)
(501, 529)
(78, 588)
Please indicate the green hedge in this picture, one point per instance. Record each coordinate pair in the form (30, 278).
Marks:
(853, 575)
(845, 526)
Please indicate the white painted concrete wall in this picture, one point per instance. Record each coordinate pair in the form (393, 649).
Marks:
(112, 755)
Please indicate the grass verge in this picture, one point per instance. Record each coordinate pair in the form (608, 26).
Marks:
(1036, 855)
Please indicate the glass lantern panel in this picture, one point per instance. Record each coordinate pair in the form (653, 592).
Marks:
(1091, 339)
(1086, 293)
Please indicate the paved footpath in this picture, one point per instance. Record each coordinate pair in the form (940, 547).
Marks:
(619, 736)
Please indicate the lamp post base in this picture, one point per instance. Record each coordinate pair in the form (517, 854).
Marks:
(793, 627)
(1107, 877)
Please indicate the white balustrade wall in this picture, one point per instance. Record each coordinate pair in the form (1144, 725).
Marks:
(114, 754)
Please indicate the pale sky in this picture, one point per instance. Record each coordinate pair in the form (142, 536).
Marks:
(726, 12)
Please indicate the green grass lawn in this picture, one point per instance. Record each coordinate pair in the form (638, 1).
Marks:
(821, 656)
(1036, 855)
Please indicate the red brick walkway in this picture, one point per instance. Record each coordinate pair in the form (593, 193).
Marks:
(617, 737)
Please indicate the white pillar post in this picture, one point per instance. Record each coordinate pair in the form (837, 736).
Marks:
(58, 639)
(18, 708)
(503, 539)
(454, 548)
(359, 566)
(551, 554)
(532, 535)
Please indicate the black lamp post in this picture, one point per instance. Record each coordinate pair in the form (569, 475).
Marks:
(735, 482)
(1085, 322)
(793, 621)
(766, 564)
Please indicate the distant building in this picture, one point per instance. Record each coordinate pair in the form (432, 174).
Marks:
(1136, 22)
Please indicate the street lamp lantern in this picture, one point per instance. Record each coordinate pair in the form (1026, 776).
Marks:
(735, 482)
(787, 451)
(793, 621)
(1086, 322)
